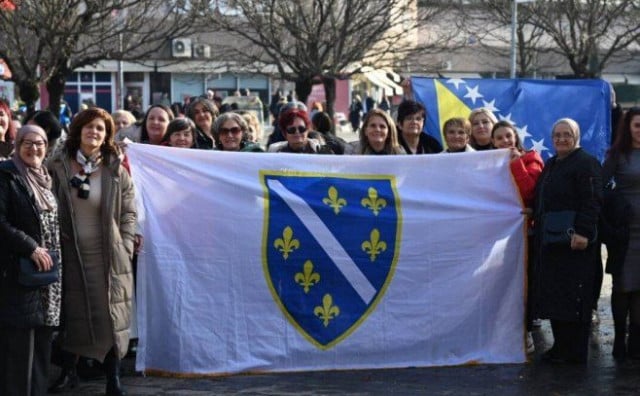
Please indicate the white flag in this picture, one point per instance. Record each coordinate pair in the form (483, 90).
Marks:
(287, 262)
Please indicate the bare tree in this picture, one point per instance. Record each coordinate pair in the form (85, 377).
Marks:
(586, 33)
(317, 39)
(489, 22)
(44, 41)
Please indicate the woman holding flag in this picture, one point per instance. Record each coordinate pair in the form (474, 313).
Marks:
(526, 167)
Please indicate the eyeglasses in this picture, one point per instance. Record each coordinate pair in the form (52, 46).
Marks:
(30, 143)
(558, 136)
(232, 130)
(300, 129)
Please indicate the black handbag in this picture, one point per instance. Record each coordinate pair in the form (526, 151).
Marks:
(30, 276)
(557, 228)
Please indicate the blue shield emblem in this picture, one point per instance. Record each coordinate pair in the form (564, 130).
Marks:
(330, 246)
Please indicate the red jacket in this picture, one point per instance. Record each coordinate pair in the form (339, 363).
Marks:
(525, 171)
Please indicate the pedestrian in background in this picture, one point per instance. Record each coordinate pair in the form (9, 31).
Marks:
(7, 130)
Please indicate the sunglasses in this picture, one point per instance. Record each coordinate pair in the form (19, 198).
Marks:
(232, 130)
(300, 129)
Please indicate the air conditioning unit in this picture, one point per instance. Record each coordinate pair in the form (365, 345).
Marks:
(201, 51)
(181, 48)
(445, 65)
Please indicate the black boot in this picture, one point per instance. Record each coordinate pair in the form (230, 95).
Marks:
(619, 309)
(112, 369)
(68, 378)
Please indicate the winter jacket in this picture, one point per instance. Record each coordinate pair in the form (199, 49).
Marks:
(119, 225)
(564, 278)
(20, 235)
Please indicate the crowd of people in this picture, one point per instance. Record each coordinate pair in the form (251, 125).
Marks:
(69, 195)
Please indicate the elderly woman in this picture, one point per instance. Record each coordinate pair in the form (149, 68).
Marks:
(378, 135)
(181, 132)
(295, 125)
(482, 121)
(98, 219)
(49, 122)
(566, 209)
(151, 129)
(7, 130)
(203, 112)
(457, 132)
(411, 116)
(28, 229)
(231, 133)
(123, 119)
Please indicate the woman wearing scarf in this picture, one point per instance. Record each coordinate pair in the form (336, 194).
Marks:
(98, 222)
(567, 202)
(28, 229)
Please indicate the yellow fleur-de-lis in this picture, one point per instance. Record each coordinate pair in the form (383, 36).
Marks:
(287, 243)
(374, 246)
(307, 277)
(327, 311)
(373, 202)
(333, 201)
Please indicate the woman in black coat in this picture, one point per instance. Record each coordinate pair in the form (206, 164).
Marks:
(565, 271)
(28, 229)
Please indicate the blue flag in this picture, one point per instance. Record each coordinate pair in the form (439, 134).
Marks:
(532, 105)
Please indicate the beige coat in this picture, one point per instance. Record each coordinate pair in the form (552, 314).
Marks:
(119, 225)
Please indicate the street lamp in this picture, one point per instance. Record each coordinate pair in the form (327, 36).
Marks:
(514, 27)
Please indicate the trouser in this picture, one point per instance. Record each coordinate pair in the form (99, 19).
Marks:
(24, 361)
(623, 305)
(571, 339)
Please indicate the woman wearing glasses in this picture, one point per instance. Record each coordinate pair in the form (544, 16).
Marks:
(28, 229)
(567, 202)
(231, 133)
(295, 124)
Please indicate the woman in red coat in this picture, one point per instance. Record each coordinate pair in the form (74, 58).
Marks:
(526, 167)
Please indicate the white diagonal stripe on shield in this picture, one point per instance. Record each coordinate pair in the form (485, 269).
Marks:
(319, 230)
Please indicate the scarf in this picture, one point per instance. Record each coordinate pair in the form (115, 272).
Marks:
(81, 179)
